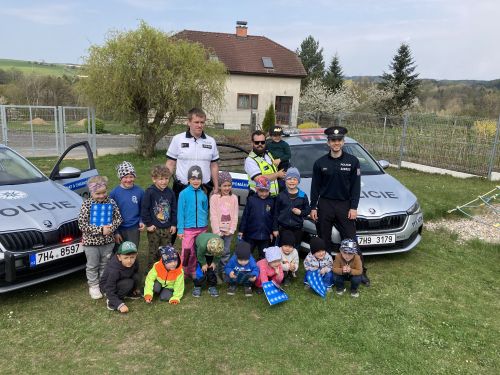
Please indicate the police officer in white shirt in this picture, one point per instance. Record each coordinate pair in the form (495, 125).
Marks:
(194, 147)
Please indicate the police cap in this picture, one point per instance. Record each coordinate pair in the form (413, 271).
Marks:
(335, 132)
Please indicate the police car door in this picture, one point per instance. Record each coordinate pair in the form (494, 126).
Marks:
(75, 166)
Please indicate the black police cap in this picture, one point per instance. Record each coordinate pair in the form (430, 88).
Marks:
(335, 132)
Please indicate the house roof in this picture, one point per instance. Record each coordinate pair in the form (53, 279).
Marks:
(243, 55)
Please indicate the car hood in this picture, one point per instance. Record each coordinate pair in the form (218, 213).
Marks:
(380, 195)
(38, 206)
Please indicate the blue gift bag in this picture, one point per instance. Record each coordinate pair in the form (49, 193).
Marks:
(274, 293)
(316, 283)
(101, 214)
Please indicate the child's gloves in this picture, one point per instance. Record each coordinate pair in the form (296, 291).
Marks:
(173, 302)
(148, 298)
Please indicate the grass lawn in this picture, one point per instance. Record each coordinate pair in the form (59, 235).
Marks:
(433, 310)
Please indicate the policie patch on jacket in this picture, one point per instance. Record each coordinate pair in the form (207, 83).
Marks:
(207, 146)
(184, 145)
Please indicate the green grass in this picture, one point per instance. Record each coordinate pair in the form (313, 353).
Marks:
(433, 310)
(30, 67)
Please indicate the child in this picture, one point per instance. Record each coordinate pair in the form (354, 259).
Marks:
(209, 248)
(279, 149)
(289, 257)
(98, 241)
(120, 278)
(319, 259)
(192, 218)
(241, 269)
(347, 266)
(128, 197)
(292, 207)
(224, 215)
(158, 213)
(257, 220)
(269, 268)
(166, 277)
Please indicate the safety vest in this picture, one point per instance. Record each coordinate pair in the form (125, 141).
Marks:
(265, 169)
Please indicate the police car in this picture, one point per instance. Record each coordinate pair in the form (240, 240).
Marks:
(39, 235)
(389, 216)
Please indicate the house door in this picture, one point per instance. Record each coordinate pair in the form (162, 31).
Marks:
(283, 109)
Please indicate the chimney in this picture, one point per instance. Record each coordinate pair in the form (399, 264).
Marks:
(241, 29)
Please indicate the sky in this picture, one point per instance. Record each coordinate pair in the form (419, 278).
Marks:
(449, 39)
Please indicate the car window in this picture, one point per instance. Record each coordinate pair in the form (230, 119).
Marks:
(16, 170)
(304, 156)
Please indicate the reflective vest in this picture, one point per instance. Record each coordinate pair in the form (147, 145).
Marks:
(265, 169)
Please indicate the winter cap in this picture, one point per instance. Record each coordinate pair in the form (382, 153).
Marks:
(277, 130)
(242, 250)
(272, 253)
(224, 176)
(292, 173)
(168, 254)
(195, 172)
(127, 247)
(262, 183)
(317, 244)
(287, 238)
(349, 246)
(215, 246)
(124, 169)
(335, 132)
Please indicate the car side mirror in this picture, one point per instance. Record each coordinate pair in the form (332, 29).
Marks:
(68, 172)
(384, 164)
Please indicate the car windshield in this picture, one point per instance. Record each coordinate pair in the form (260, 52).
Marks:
(15, 170)
(304, 156)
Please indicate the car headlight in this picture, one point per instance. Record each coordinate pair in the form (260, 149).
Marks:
(414, 209)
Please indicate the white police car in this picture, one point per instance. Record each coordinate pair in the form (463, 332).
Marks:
(389, 216)
(39, 235)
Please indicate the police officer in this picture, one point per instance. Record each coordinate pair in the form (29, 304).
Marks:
(335, 190)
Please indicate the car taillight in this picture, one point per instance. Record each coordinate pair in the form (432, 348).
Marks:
(67, 239)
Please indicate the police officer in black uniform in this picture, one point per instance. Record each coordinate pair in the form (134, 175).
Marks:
(335, 191)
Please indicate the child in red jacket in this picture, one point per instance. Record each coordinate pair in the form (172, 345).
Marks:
(270, 268)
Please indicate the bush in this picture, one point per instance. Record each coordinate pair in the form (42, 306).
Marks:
(99, 126)
(269, 119)
(485, 128)
(308, 125)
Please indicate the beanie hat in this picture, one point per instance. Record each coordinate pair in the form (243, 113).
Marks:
(272, 253)
(215, 246)
(262, 183)
(168, 254)
(124, 169)
(195, 172)
(292, 173)
(287, 238)
(127, 247)
(317, 244)
(349, 246)
(277, 130)
(224, 176)
(243, 250)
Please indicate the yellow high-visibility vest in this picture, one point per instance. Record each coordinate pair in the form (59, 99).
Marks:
(265, 169)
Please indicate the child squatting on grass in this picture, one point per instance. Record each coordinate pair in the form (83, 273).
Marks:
(166, 278)
(98, 241)
(347, 266)
(120, 278)
(269, 268)
(209, 248)
(289, 257)
(241, 269)
(319, 259)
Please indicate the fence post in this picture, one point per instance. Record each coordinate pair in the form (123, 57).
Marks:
(403, 139)
(3, 121)
(494, 150)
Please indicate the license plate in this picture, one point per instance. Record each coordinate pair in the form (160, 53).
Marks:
(377, 240)
(55, 254)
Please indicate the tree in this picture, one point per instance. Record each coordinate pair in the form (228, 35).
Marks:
(401, 82)
(334, 77)
(152, 77)
(312, 58)
(269, 119)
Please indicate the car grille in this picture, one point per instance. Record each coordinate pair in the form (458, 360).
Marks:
(27, 240)
(385, 223)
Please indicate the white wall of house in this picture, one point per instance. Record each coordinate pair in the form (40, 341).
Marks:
(267, 88)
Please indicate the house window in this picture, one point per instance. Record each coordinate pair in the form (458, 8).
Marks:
(248, 101)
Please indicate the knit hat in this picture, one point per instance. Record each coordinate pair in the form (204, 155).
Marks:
(124, 169)
(127, 247)
(277, 130)
(215, 246)
(168, 254)
(287, 238)
(225, 176)
(317, 244)
(349, 246)
(195, 172)
(261, 182)
(243, 250)
(292, 173)
(272, 253)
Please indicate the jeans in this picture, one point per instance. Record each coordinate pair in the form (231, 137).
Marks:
(260, 244)
(97, 258)
(341, 279)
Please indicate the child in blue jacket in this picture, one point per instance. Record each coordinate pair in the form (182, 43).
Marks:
(241, 269)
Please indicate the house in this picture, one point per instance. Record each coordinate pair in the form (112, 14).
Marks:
(261, 72)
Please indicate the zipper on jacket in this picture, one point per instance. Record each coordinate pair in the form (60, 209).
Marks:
(196, 207)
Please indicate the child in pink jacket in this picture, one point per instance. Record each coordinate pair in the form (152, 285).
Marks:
(270, 268)
(224, 215)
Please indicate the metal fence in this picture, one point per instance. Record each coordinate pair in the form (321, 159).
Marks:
(463, 144)
(46, 130)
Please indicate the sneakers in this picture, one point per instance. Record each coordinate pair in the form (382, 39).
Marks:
(109, 307)
(232, 290)
(95, 292)
(213, 291)
(196, 291)
(329, 289)
(287, 281)
(365, 280)
(339, 292)
(136, 294)
(248, 291)
(354, 293)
